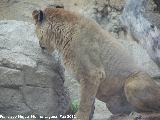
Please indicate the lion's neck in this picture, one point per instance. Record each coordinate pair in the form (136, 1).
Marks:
(63, 38)
(61, 35)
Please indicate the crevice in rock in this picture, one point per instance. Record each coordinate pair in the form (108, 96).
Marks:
(11, 86)
(31, 85)
(9, 66)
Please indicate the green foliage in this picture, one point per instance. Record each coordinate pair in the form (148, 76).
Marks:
(74, 106)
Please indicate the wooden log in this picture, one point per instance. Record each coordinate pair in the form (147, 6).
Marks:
(145, 32)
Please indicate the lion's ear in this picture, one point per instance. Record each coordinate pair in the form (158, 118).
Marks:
(38, 15)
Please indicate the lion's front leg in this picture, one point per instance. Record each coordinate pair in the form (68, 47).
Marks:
(88, 93)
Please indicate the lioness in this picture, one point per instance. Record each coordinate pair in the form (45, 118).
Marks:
(100, 64)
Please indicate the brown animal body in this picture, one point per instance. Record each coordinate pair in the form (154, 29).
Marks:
(100, 64)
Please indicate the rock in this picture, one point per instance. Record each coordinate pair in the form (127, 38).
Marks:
(11, 102)
(101, 112)
(11, 77)
(136, 116)
(6, 3)
(30, 82)
(43, 101)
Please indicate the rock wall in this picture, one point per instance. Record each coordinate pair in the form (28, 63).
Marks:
(31, 82)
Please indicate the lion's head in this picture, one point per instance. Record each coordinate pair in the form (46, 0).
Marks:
(53, 27)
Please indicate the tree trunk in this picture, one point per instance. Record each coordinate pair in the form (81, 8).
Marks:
(144, 31)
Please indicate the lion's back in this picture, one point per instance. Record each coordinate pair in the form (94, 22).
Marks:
(117, 61)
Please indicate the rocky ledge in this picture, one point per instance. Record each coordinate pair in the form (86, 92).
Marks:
(31, 82)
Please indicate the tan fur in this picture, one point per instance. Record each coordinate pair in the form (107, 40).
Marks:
(100, 64)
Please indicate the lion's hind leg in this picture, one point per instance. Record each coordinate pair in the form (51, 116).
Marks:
(143, 93)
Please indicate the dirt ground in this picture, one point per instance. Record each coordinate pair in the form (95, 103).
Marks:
(21, 10)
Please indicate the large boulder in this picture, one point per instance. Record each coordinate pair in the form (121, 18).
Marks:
(31, 82)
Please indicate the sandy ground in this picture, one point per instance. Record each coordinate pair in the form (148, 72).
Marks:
(21, 10)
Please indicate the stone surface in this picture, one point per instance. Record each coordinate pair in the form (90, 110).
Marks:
(29, 80)
(43, 102)
(11, 102)
(11, 77)
(136, 116)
